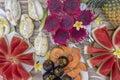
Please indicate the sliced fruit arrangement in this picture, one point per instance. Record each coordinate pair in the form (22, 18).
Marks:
(108, 56)
(67, 21)
(12, 56)
(64, 63)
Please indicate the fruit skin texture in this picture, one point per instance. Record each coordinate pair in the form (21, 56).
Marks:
(109, 61)
(110, 9)
(12, 57)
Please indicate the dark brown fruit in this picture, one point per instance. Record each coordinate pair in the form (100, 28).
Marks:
(66, 77)
(58, 71)
(62, 61)
(48, 65)
(49, 76)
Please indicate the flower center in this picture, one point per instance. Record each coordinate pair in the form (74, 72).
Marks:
(117, 53)
(78, 25)
(12, 59)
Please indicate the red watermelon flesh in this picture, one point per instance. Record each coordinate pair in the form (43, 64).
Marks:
(93, 50)
(10, 68)
(22, 47)
(115, 72)
(106, 67)
(23, 73)
(116, 38)
(15, 73)
(119, 63)
(7, 74)
(95, 61)
(101, 36)
(3, 46)
(15, 42)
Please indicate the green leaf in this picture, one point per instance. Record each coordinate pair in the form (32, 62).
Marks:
(42, 23)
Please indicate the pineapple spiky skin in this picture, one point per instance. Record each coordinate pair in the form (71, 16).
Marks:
(110, 8)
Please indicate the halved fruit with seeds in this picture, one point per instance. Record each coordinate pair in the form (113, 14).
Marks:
(93, 50)
(115, 75)
(95, 61)
(116, 38)
(55, 53)
(106, 66)
(102, 37)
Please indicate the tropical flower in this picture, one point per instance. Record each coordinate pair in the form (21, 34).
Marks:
(64, 15)
(98, 20)
(38, 66)
(108, 57)
(12, 55)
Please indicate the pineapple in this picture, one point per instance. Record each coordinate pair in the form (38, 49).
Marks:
(110, 8)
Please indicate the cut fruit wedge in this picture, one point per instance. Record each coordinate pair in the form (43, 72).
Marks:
(95, 61)
(116, 38)
(106, 67)
(93, 50)
(115, 75)
(101, 36)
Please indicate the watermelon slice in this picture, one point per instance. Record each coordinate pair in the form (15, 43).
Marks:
(23, 73)
(115, 75)
(101, 36)
(15, 73)
(95, 61)
(18, 50)
(11, 59)
(93, 50)
(15, 42)
(116, 38)
(3, 46)
(106, 67)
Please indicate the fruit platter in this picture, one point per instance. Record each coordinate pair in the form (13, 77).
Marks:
(59, 40)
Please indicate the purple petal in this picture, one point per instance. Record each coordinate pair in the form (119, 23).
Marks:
(86, 17)
(52, 24)
(78, 35)
(55, 6)
(72, 6)
(61, 36)
(67, 22)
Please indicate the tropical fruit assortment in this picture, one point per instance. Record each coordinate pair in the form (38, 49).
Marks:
(110, 8)
(12, 56)
(108, 55)
(64, 64)
(65, 24)
(67, 21)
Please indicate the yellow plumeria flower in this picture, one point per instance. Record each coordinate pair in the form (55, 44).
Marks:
(2, 23)
(117, 53)
(37, 66)
(78, 25)
(98, 20)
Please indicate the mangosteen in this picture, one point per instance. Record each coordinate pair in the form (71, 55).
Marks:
(58, 71)
(66, 77)
(62, 61)
(58, 78)
(48, 65)
(49, 76)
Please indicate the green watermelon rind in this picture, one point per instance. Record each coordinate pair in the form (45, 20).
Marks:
(85, 49)
(96, 38)
(89, 64)
(113, 37)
